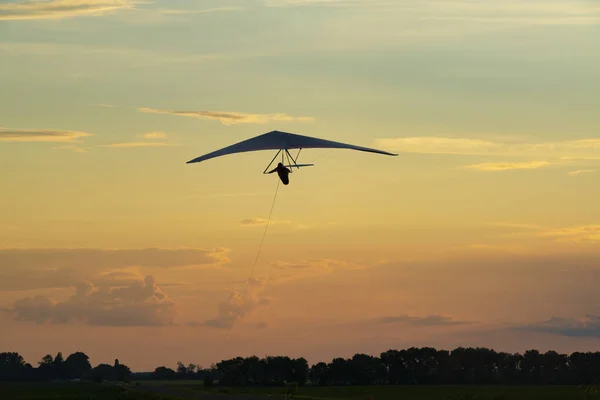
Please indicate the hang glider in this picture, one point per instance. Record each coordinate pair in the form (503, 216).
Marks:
(283, 141)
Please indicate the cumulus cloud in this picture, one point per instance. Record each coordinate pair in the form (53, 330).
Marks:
(588, 326)
(139, 304)
(40, 135)
(504, 166)
(26, 269)
(238, 305)
(430, 320)
(229, 118)
(55, 9)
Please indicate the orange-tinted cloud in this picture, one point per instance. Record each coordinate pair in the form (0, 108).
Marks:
(229, 117)
(138, 144)
(154, 135)
(140, 304)
(54, 9)
(26, 269)
(238, 305)
(41, 135)
(504, 166)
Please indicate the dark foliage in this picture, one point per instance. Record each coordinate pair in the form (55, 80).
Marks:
(13, 368)
(413, 366)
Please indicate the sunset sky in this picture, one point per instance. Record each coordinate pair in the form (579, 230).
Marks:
(483, 231)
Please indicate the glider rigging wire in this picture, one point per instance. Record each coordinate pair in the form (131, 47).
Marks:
(257, 255)
(263, 237)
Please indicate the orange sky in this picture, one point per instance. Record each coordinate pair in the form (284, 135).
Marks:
(482, 232)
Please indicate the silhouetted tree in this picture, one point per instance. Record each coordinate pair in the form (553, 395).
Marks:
(422, 366)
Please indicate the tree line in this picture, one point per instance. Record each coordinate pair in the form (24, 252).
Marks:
(413, 366)
(76, 366)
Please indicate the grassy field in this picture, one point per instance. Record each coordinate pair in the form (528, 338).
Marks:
(404, 392)
(166, 390)
(72, 391)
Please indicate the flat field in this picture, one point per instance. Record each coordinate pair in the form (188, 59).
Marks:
(390, 392)
(173, 390)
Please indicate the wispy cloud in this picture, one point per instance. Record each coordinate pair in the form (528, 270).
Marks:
(282, 271)
(149, 136)
(588, 326)
(515, 225)
(103, 105)
(229, 118)
(297, 3)
(40, 135)
(583, 149)
(581, 171)
(261, 221)
(173, 11)
(154, 135)
(73, 147)
(34, 261)
(577, 234)
(495, 166)
(56, 9)
(127, 57)
(217, 195)
(557, 12)
(138, 144)
(430, 320)
(509, 12)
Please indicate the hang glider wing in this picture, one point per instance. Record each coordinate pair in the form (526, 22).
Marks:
(277, 140)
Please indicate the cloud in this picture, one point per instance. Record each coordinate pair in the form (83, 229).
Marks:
(282, 271)
(485, 14)
(140, 304)
(581, 171)
(26, 269)
(588, 326)
(556, 12)
(123, 56)
(172, 11)
(430, 320)
(154, 135)
(578, 234)
(138, 144)
(229, 118)
(261, 221)
(297, 3)
(75, 148)
(40, 135)
(55, 9)
(495, 166)
(564, 150)
(217, 195)
(148, 136)
(238, 305)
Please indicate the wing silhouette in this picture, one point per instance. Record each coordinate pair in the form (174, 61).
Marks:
(277, 140)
